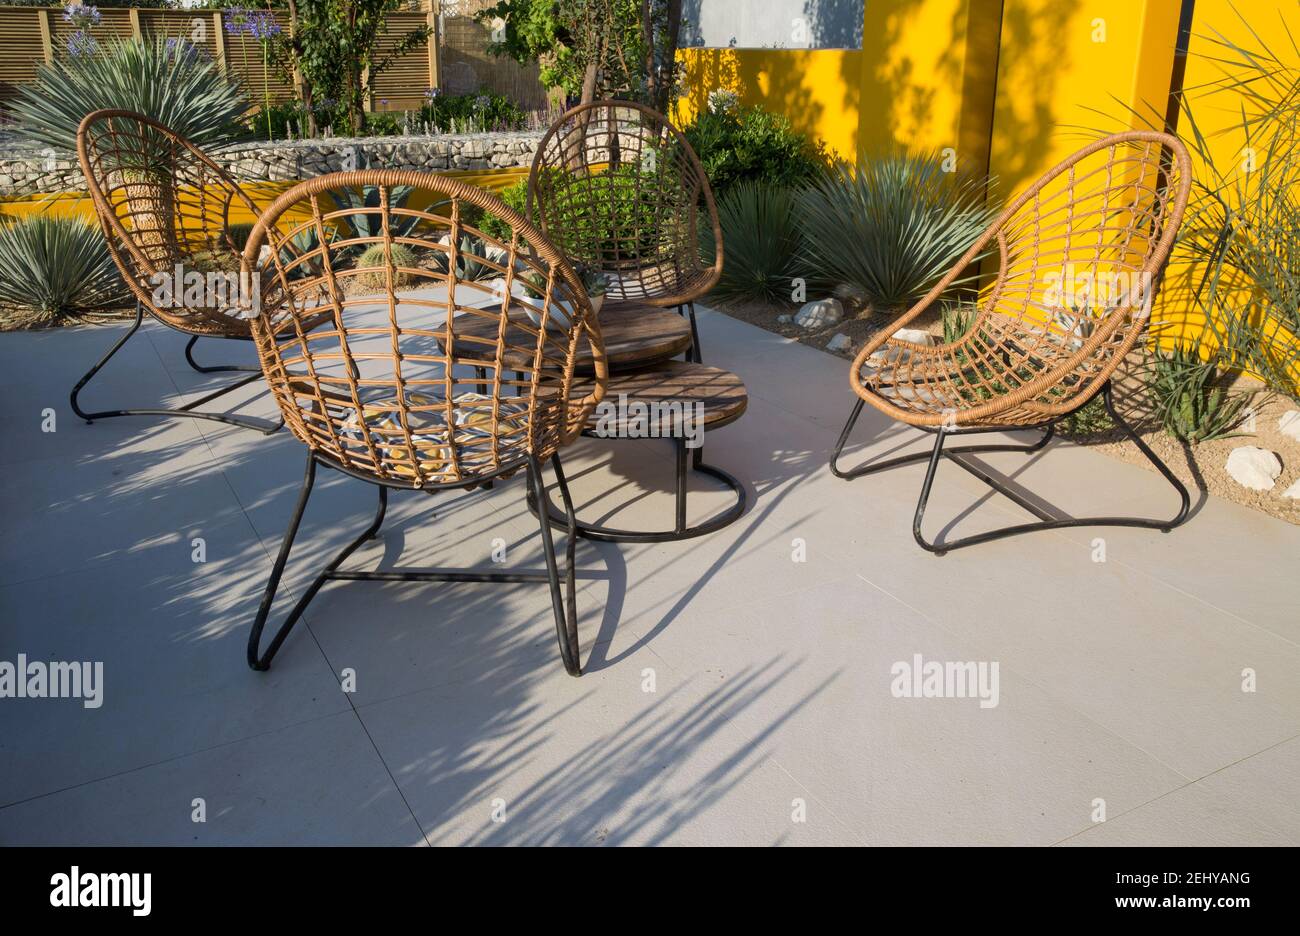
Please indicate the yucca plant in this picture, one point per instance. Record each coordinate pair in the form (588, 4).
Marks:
(170, 80)
(1190, 400)
(890, 227)
(764, 244)
(51, 268)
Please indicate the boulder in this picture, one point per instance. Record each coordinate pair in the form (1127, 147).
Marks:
(888, 355)
(841, 342)
(913, 335)
(822, 313)
(1253, 467)
(1289, 424)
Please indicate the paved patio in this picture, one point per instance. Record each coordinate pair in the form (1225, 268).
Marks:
(733, 695)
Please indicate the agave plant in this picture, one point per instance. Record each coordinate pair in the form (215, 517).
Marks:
(1190, 401)
(363, 217)
(471, 252)
(170, 81)
(889, 228)
(55, 267)
(764, 244)
(1242, 230)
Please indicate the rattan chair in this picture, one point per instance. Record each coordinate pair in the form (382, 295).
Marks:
(164, 207)
(1078, 257)
(619, 189)
(394, 389)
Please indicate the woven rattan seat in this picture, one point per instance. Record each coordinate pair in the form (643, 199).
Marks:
(620, 190)
(401, 388)
(165, 209)
(1077, 257)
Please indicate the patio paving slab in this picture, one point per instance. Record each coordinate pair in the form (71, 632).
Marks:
(1120, 680)
(318, 783)
(174, 680)
(1023, 770)
(597, 761)
(1253, 802)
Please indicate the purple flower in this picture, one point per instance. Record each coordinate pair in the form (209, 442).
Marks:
(235, 20)
(433, 93)
(82, 43)
(81, 15)
(181, 50)
(262, 25)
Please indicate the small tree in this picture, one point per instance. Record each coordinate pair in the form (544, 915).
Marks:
(334, 48)
(614, 48)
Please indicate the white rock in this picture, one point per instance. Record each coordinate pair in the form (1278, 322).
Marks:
(783, 319)
(1253, 467)
(841, 342)
(913, 335)
(1293, 491)
(888, 355)
(1289, 424)
(819, 314)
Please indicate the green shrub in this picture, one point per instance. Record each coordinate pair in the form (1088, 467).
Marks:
(615, 213)
(1091, 419)
(52, 268)
(171, 81)
(516, 196)
(1190, 400)
(748, 143)
(1242, 228)
(761, 240)
(890, 227)
(471, 113)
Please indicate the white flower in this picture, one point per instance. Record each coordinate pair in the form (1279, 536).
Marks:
(722, 101)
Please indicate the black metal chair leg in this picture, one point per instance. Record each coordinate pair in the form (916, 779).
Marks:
(1181, 517)
(1045, 521)
(187, 410)
(1049, 431)
(117, 346)
(693, 354)
(216, 368)
(681, 530)
(262, 660)
(566, 622)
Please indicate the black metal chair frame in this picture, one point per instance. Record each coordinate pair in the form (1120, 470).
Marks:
(190, 409)
(1045, 520)
(694, 458)
(563, 605)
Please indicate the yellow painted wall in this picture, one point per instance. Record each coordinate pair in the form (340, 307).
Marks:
(816, 88)
(1218, 115)
(1071, 69)
(78, 204)
(927, 77)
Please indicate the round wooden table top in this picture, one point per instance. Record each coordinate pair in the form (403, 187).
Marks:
(636, 399)
(634, 336)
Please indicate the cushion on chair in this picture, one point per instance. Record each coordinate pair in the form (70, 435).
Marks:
(427, 418)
